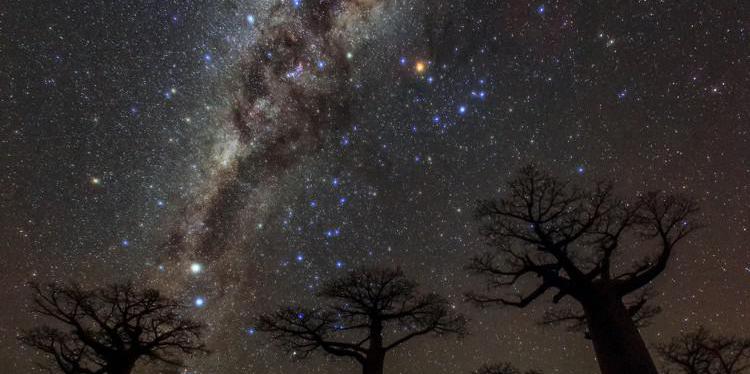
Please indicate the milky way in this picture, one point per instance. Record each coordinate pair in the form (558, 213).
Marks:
(289, 88)
(236, 154)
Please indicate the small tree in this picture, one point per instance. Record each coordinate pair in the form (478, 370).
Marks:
(699, 352)
(371, 312)
(503, 368)
(552, 236)
(109, 329)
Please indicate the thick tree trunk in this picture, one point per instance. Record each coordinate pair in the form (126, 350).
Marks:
(374, 364)
(122, 368)
(618, 344)
(376, 355)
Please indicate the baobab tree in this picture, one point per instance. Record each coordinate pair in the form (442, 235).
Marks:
(699, 352)
(503, 368)
(549, 235)
(370, 312)
(109, 329)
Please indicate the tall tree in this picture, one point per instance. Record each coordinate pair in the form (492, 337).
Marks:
(109, 329)
(699, 352)
(549, 235)
(370, 312)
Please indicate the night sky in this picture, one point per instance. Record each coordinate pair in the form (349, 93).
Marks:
(237, 153)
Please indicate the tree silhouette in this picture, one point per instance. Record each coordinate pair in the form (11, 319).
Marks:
(552, 236)
(503, 368)
(699, 352)
(109, 329)
(371, 312)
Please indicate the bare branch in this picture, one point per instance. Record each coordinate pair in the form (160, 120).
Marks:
(112, 326)
(372, 311)
(703, 353)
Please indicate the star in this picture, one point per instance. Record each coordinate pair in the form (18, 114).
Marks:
(196, 268)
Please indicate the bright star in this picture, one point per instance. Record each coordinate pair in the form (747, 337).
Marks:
(196, 268)
(250, 19)
(96, 181)
(420, 67)
(125, 243)
(199, 302)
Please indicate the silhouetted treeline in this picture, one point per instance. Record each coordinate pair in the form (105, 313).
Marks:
(546, 235)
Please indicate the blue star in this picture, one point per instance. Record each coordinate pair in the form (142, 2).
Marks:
(342, 201)
(250, 19)
(296, 3)
(300, 315)
(160, 203)
(339, 264)
(436, 119)
(402, 60)
(125, 243)
(321, 64)
(462, 109)
(345, 141)
(333, 233)
(250, 331)
(621, 95)
(199, 302)
(335, 182)
(300, 258)
(313, 204)
(580, 170)
(540, 9)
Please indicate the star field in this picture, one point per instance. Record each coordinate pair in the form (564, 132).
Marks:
(238, 153)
